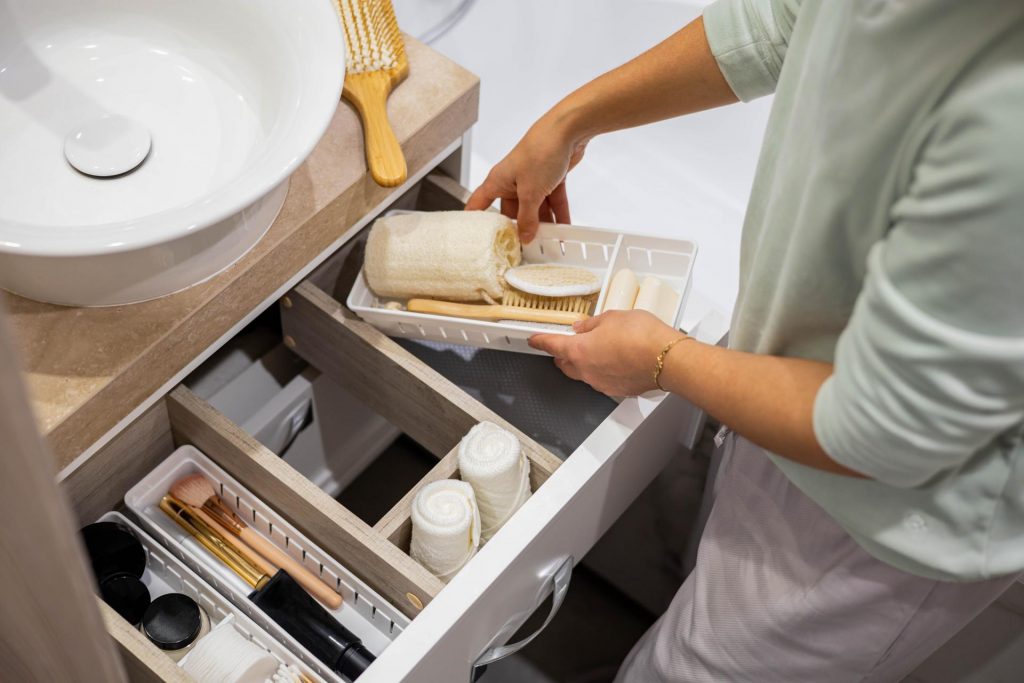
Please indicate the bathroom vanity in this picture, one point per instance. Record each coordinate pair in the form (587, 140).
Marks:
(106, 388)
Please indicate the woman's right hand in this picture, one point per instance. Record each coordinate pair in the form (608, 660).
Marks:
(530, 181)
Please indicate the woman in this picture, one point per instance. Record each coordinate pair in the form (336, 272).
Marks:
(870, 500)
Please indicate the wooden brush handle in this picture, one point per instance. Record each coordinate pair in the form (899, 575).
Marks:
(494, 312)
(368, 92)
(305, 578)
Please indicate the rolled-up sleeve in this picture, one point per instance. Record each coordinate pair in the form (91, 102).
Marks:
(912, 396)
(748, 39)
(930, 367)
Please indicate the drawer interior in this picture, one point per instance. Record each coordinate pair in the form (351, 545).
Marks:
(377, 554)
(526, 390)
(435, 395)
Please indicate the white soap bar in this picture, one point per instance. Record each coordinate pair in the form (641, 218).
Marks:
(622, 291)
(658, 298)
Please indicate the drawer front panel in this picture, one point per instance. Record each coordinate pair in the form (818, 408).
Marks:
(486, 602)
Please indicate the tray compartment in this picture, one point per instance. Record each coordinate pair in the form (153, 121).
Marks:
(669, 260)
(327, 523)
(388, 378)
(165, 573)
(396, 524)
(363, 611)
(588, 248)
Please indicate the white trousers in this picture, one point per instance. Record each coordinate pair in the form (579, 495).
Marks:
(781, 593)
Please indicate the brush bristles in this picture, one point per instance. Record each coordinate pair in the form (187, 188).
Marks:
(372, 39)
(573, 304)
(195, 489)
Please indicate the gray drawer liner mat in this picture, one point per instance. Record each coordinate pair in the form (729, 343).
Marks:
(527, 390)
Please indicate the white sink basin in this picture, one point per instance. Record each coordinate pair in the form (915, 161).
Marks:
(146, 145)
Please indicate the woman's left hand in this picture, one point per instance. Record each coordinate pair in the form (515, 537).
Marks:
(614, 352)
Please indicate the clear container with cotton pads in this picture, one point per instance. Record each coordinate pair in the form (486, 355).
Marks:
(226, 656)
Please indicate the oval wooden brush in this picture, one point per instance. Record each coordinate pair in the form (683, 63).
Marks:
(375, 63)
(197, 491)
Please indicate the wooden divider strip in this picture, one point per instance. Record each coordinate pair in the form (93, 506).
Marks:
(329, 524)
(99, 484)
(395, 383)
(396, 525)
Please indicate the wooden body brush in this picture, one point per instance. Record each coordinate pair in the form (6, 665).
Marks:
(375, 63)
(198, 492)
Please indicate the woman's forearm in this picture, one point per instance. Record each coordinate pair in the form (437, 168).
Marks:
(678, 76)
(767, 399)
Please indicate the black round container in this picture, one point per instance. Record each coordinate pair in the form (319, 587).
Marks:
(113, 549)
(174, 622)
(126, 593)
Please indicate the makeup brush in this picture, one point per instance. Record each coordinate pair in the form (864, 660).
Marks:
(234, 541)
(186, 518)
(197, 491)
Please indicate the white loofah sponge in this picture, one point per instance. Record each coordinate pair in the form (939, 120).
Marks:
(449, 255)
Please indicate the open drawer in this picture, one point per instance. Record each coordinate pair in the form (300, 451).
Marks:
(590, 457)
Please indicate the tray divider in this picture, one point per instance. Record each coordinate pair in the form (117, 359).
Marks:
(392, 381)
(608, 273)
(396, 524)
(392, 573)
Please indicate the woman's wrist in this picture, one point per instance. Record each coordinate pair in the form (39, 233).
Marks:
(572, 121)
(665, 349)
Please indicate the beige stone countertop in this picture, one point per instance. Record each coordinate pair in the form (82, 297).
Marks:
(88, 368)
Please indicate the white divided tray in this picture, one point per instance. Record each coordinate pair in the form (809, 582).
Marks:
(363, 611)
(603, 252)
(167, 574)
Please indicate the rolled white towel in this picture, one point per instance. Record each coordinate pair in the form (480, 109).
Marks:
(492, 461)
(445, 527)
(449, 255)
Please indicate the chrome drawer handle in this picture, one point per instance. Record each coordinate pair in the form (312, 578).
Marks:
(559, 580)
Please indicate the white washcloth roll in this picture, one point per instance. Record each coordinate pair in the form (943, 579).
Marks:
(492, 461)
(445, 527)
(449, 255)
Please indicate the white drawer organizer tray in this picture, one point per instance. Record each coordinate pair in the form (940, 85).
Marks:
(362, 611)
(603, 252)
(165, 574)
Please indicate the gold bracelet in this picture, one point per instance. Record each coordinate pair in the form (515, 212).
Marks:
(660, 365)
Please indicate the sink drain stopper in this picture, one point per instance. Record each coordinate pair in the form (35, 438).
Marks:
(107, 146)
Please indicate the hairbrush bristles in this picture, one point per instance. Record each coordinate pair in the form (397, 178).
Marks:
(372, 39)
(573, 304)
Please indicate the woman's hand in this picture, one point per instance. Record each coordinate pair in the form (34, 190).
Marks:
(530, 181)
(614, 352)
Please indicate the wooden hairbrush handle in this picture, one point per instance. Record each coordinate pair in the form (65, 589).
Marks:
(494, 312)
(368, 92)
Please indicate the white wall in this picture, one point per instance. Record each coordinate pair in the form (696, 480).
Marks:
(689, 177)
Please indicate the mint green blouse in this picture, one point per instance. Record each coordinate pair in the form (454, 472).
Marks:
(885, 234)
